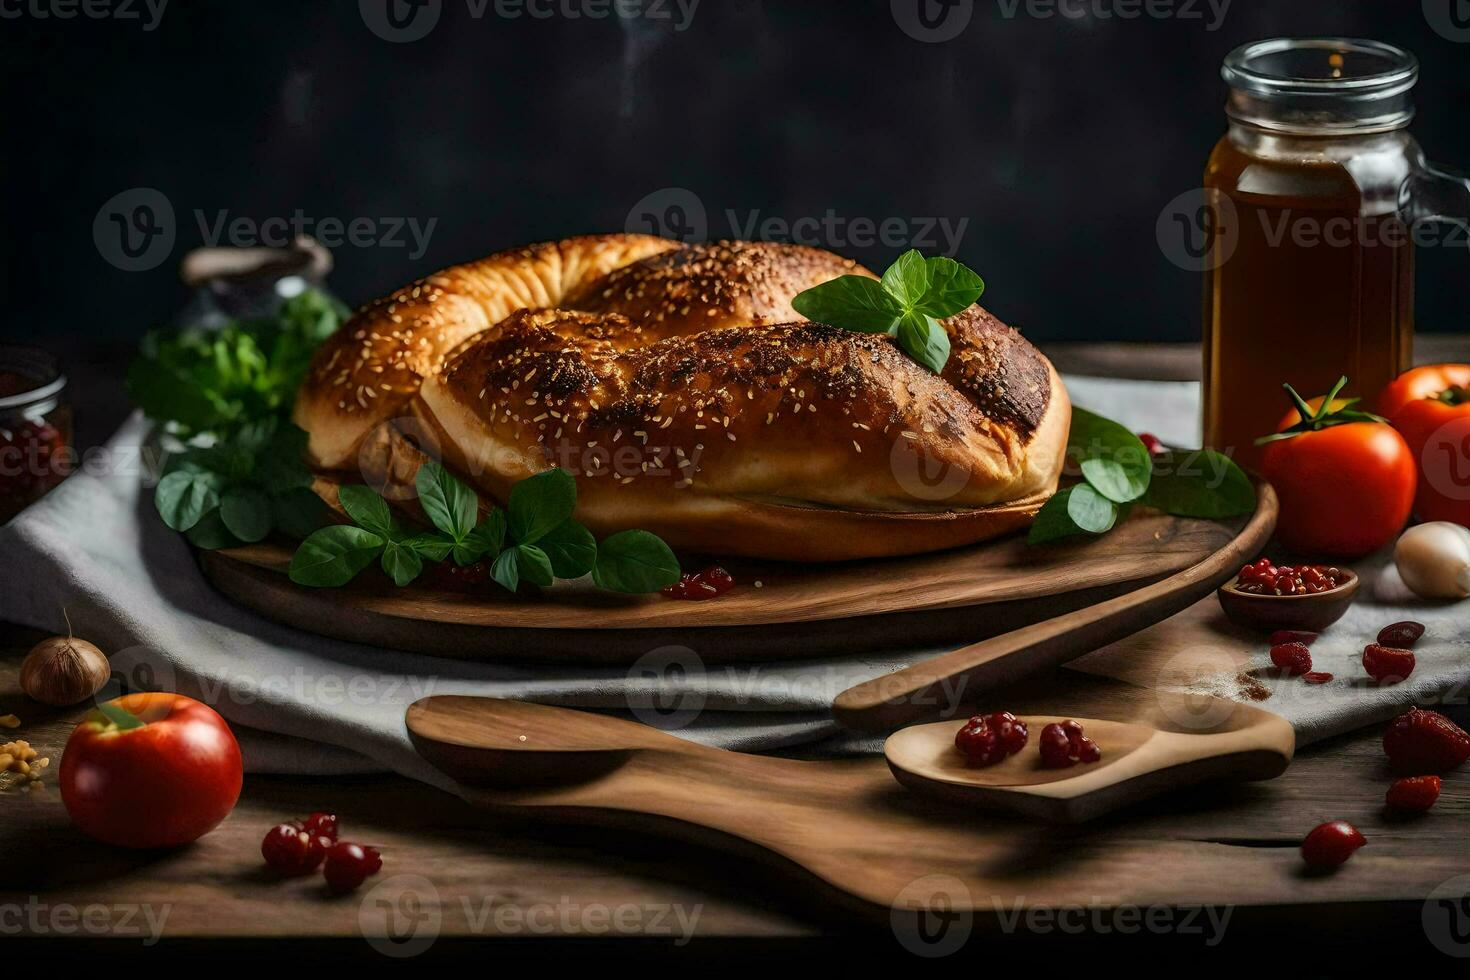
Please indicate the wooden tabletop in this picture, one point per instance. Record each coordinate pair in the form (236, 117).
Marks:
(522, 888)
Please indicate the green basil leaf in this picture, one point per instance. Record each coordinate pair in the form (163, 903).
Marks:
(922, 337)
(634, 561)
(953, 288)
(1202, 483)
(434, 547)
(907, 279)
(1090, 510)
(539, 503)
(451, 506)
(366, 508)
(185, 495)
(282, 467)
(299, 512)
(168, 395)
(246, 512)
(209, 533)
(571, 548)
(533, 565)
(484, 541)
(1075, 510)
(402, 564)
(506, 570)
(1113, 460)
(850, 302)
(334, 555)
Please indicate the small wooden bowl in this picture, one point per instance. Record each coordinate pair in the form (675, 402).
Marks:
(1313, 612)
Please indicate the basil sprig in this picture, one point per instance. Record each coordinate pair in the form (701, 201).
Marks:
(1118, 472)
(533, 540)
(242, 488)
(907, 303)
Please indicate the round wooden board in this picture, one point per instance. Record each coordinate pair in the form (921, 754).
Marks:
(796, 612)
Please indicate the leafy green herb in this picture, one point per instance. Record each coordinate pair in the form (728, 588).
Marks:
(1117, 472)
(214, 381)
(1326, 415)
(242, 488)
(538, 543)
(914, 294)
(635, 561)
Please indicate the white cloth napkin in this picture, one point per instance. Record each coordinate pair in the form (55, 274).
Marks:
(304, 703)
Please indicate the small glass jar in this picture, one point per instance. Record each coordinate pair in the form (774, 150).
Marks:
(35, 428)
(1317, 197)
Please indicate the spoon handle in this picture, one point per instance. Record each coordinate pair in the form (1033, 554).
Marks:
(886, 702)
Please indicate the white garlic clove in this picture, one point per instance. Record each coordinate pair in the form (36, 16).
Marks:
(1434, 560)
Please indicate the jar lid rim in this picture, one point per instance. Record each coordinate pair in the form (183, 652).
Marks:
(1241, 68)
(52, 380)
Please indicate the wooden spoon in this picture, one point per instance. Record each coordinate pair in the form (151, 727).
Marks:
(1138, 760)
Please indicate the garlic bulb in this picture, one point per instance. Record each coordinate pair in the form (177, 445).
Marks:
(62, 671)
(1434, 560)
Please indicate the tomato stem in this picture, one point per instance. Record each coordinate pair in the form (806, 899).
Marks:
(1326, 415)
(118, 717)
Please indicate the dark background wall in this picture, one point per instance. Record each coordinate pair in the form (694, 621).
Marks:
(1056, 141)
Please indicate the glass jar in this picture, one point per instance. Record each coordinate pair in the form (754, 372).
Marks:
(1316, 194)
(35, 428)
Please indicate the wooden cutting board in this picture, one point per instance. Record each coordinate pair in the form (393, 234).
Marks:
(795, 612)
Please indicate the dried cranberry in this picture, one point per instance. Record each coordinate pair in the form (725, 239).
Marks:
(1087, 750)
(710, 583)
(1331, 844)
(1415, 794)
(1056, 747)
(321, 824)
(1317, 677)
(290, 850)
(348, 865)
(1401, 635)
(1292, 658)
(1011, 730)
(1422, 742)
(1387, 665)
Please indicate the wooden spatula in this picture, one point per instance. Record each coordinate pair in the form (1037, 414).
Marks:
(582, 764)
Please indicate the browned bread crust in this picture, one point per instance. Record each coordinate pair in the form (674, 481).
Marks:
(685, 400)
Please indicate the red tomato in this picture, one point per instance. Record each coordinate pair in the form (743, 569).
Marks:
(163, 783)
(1345, 490)
(1430, 406)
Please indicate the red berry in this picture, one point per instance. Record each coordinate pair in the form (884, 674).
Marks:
(1151, 442)
(1414, 794)
(979, 743)
(1387, 665)
(1292, 658)
(289, 850)
(322, 825)
(1331, 844)
(1293, 636)
(1056, 747)
(1421, 742)
(1401, 635)
(348, 865)
(1011, 730)
(1073, 729)
(1317, 677)
(1087, 750)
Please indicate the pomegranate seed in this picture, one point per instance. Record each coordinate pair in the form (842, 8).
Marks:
(1415, 794)
(1420, 743)
(1292, 658)
(1331, 844)
(1292, 636)
(1387, 665)
(1056, 747)
(348, 865)
(1401, 635)
(1317, 677)
(289, 850)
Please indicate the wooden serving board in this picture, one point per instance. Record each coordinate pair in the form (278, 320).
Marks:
(796, 611)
